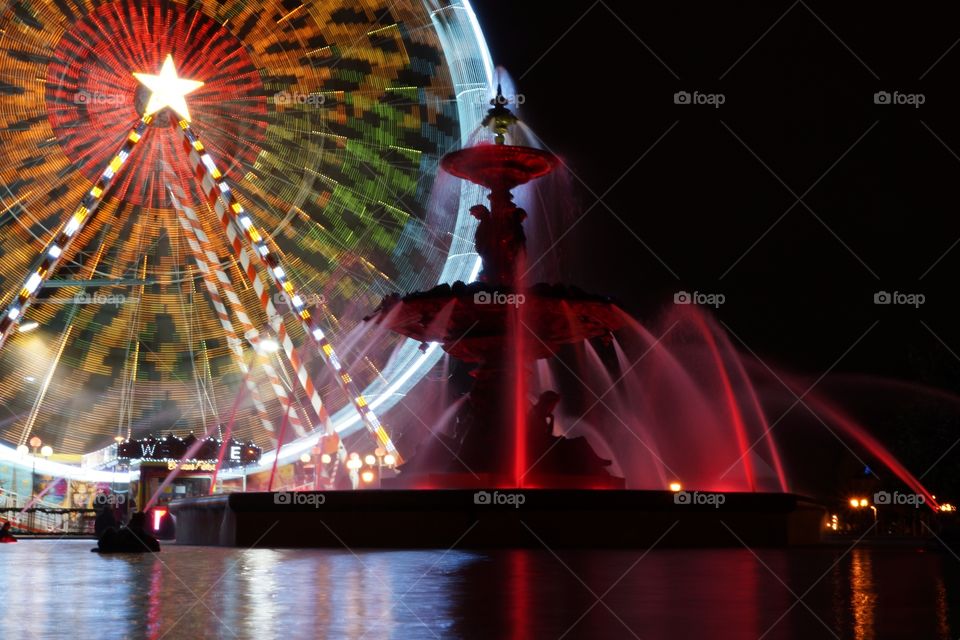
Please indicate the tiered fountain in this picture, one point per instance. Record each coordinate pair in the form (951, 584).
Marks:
(502, 325)
(502, 474)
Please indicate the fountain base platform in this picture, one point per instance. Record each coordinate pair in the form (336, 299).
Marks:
(492, 518)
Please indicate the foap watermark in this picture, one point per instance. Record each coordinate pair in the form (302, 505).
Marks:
(709, 99)
(304, 299)
(498, 297)
(109, 500)
(909, 99)
(98, 98)
(115, 299)
(512, 498)
(703, 299)
(897, 498)
(299, 499)
(293, 97)
(897, 297)
(699, 498)
(506, 100)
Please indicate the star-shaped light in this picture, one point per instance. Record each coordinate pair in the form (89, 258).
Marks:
(168, 89)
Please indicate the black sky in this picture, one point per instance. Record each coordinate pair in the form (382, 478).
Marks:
(714, 196)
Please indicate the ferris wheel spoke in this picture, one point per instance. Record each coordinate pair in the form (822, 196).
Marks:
(55, 249)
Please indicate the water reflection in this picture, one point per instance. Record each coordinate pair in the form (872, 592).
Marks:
(52, 589)
(863, 599)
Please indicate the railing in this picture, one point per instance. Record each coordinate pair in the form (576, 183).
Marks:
(43, 518)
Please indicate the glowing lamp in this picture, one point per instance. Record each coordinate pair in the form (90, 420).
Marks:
(27, 326)
(675, 486)
(389, 460)
(46, 451)
(854, 503)
(305, 458)
(367, 476)
(863, 502)
(325, 458)
(269, 346)
(370, 459)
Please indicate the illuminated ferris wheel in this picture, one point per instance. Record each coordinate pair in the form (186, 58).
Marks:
(200, 201)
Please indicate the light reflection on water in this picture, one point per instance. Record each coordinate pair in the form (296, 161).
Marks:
(59, 589)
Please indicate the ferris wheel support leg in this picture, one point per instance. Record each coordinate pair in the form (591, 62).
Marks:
(49, 259)
(241, 231)
(193, 241)
(213, 274)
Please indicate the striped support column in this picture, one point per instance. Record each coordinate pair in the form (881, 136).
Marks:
(213, 273)
(237, 222)
(202, 262)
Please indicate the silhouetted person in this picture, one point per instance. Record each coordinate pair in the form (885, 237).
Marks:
(105, 520)
(130, 539)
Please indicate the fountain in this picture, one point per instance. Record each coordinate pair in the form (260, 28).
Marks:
(502, 326)
(502, 472)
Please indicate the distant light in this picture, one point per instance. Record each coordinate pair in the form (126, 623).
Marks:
(367, 476)
(305, 458)
(325, 458)
(46, 451)
(269, 346)
(389, 460)
(23, 450)
(35, 442)
(863, 502)
(946, 506)
(354, 456)
(354, 464)
(28, 326)
(675, 486)
(854, 503)
(29, 379)
(370, 459)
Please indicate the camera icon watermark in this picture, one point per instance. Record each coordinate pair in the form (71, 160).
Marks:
(512, 498)
(505, 100)
(914, 500)
(115, 299)
(910, 99)
(709, 99)
(294, 98)
(299, 499)
(906, 299)
(97, 98)
(498, 297)
(699, 498)
(299, 300)
(703, 299)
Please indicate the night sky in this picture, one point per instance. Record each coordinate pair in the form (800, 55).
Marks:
(713, 206)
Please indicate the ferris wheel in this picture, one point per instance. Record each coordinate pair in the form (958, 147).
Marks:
(199, 201)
